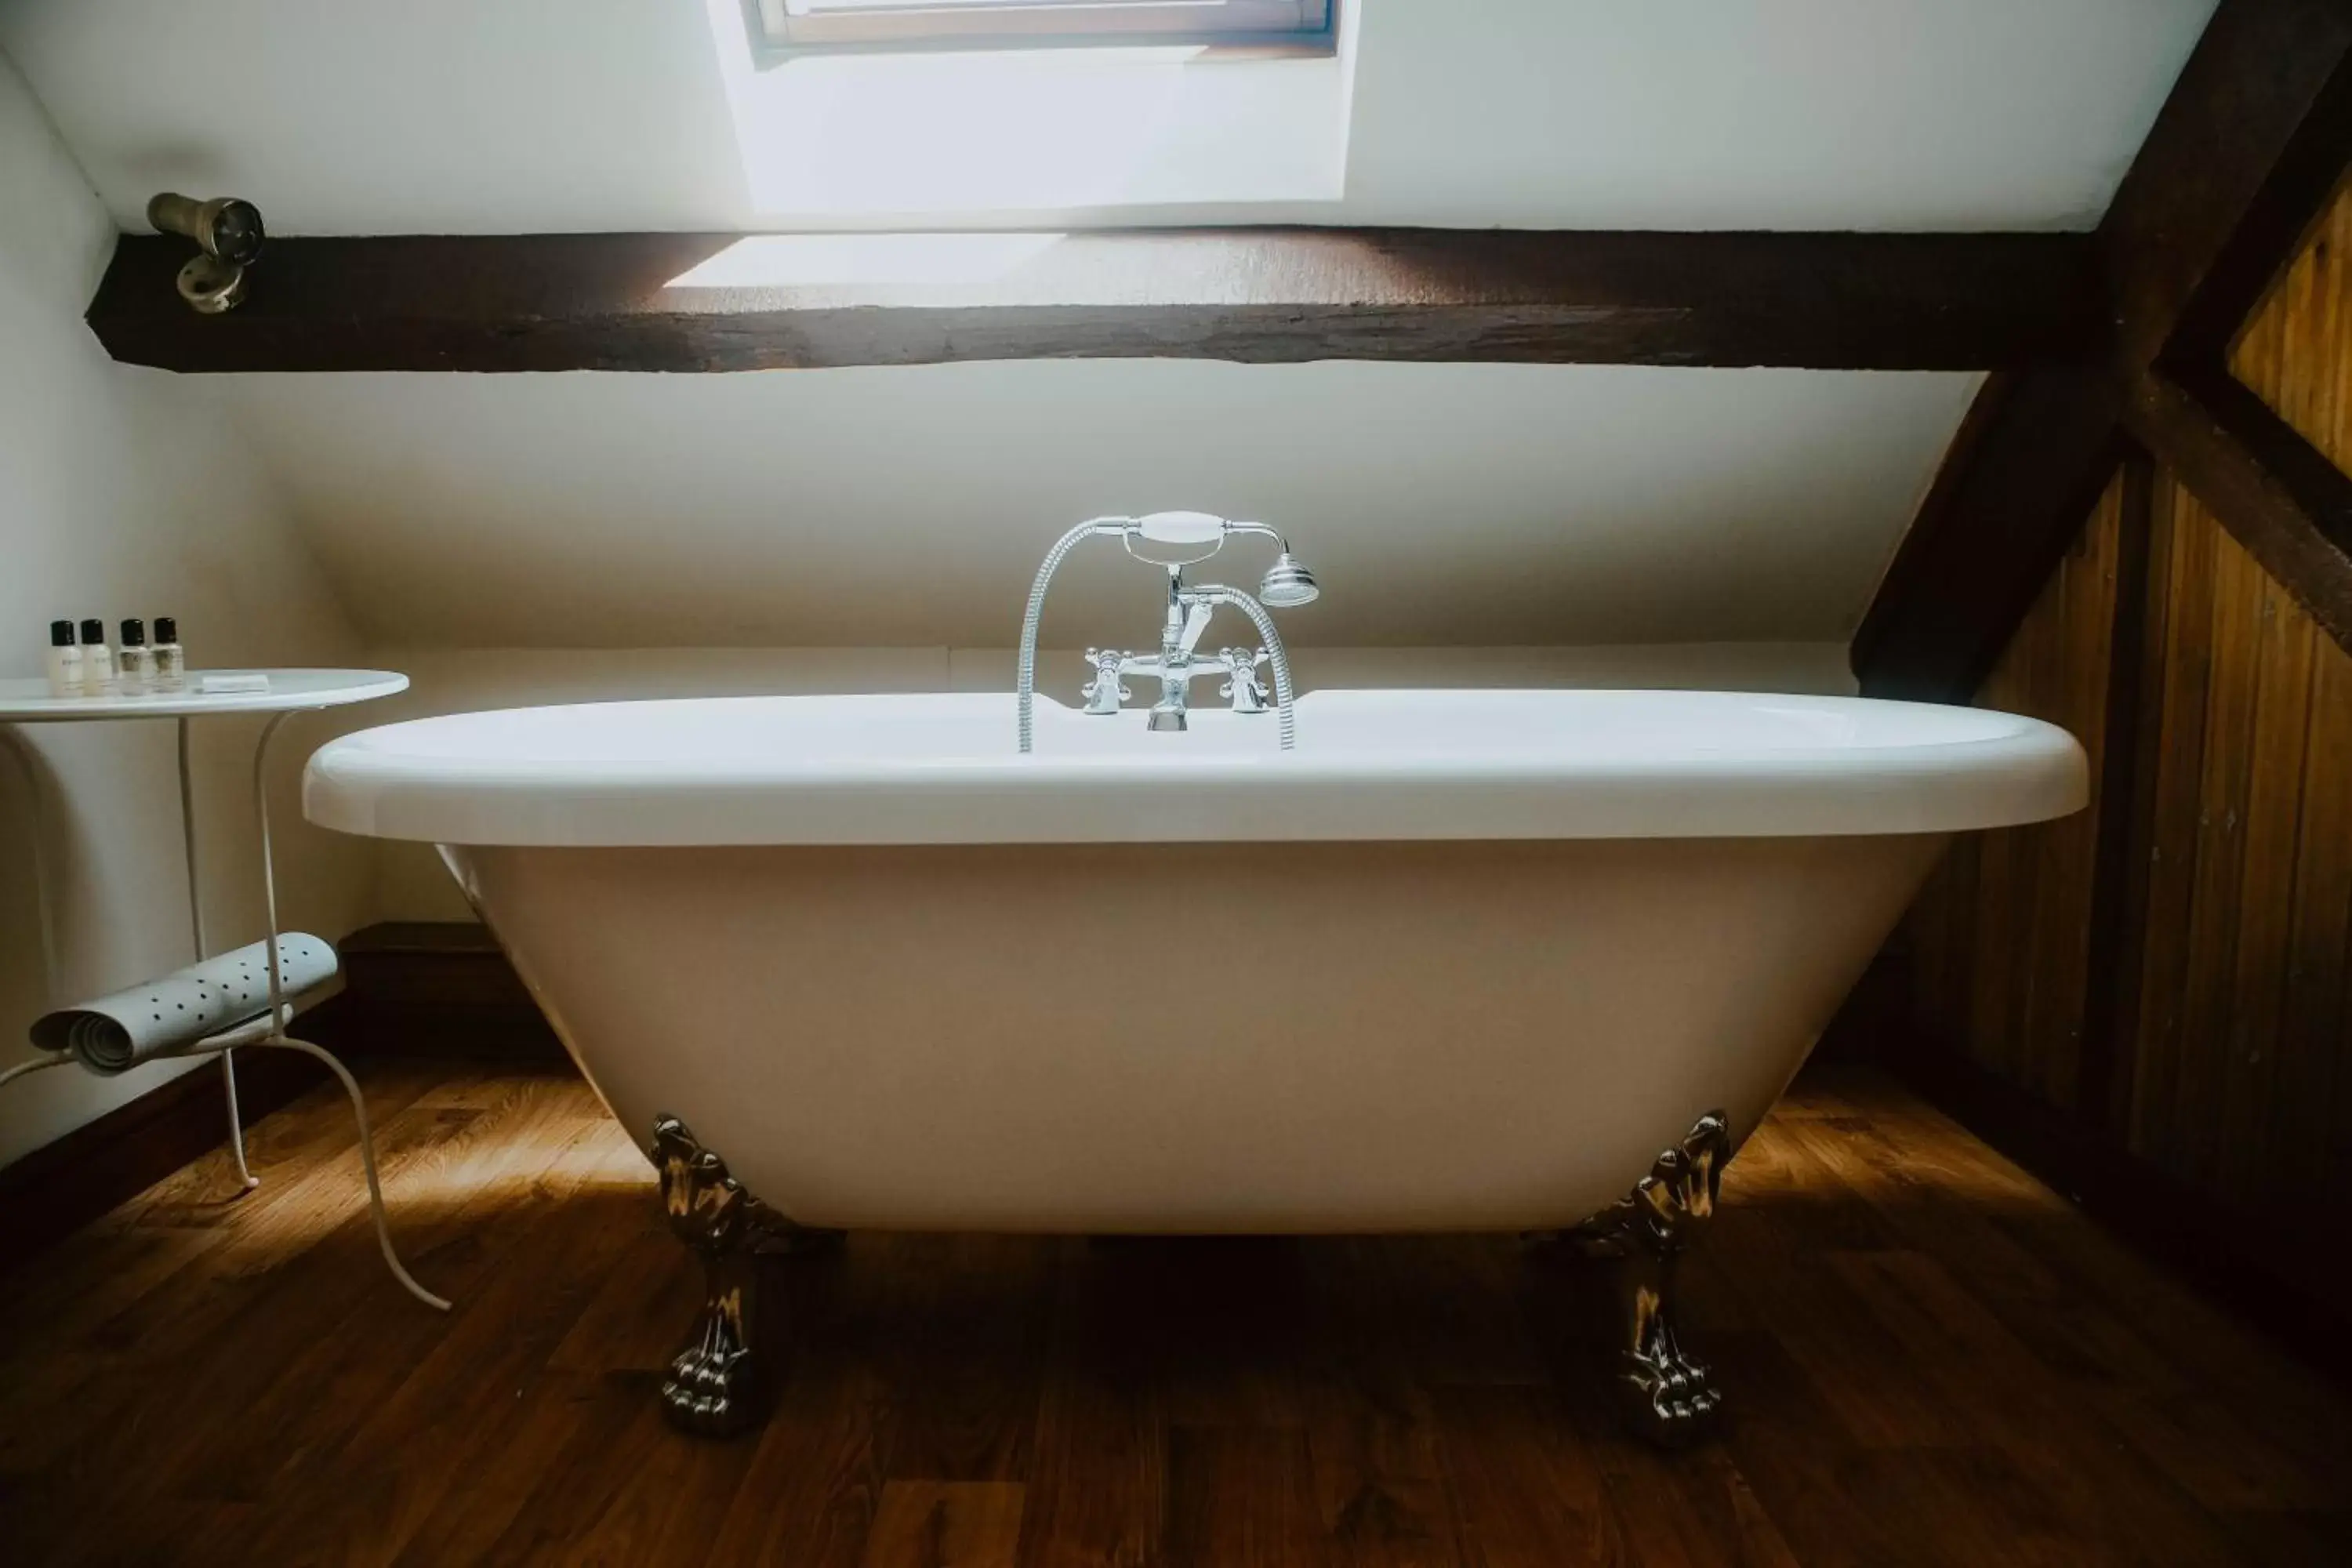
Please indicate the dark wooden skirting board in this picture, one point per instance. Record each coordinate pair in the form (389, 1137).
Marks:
(612, 303)
(437, 989)
(59, 1188)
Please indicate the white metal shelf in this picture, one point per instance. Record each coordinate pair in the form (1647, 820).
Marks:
(28, 701)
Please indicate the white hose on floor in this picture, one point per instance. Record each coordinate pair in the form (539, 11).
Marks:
(367, 1161)
(256, 1033)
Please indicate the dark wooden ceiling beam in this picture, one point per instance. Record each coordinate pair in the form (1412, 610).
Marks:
(1992, 527)
(2279, 497)
(612, 302)
(2247, 149)
(2245, 152)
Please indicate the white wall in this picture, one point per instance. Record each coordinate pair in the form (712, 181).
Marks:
(454, 116)
(127, 492)
(1516, 504)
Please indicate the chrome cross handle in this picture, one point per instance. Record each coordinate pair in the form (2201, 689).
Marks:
(1242, 687)
(1104, 693)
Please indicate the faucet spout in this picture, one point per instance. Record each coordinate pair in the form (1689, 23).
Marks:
(1196, 622)
(1185, 622)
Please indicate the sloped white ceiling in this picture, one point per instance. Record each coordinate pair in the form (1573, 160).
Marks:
(381, 116)
(1473, 505)
(1493, 504)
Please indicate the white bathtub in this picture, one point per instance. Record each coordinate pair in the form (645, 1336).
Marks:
(1461, 961)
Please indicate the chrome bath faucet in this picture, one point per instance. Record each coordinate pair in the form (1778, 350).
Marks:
(1174, 541)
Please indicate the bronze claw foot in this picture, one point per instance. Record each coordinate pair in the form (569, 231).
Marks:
(714, 1386)
(1670, 1397)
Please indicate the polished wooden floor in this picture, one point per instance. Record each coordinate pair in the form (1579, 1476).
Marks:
(1932, 1358)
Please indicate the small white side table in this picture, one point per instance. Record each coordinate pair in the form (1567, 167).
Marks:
(291, 691)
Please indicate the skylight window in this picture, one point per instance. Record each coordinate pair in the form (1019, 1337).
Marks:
(799, 26)
(959, 114)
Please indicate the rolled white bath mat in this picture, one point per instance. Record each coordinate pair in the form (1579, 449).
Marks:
(166, 1016)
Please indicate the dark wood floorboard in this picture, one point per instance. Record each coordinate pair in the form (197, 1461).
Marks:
(1932, 1359)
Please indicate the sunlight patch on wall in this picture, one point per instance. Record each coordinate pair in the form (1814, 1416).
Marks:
(848, 136)
(789, 261)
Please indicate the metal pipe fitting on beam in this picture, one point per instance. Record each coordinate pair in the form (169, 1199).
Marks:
(228, 234)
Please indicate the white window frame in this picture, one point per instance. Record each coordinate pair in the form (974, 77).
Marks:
(782, 28)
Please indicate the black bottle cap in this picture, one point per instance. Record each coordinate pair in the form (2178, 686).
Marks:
(61, 634)
(134, 633)
(166, 629)
(93, 631)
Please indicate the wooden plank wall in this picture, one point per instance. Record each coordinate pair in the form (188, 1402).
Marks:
(2214, 1042)
(2000, 939)
(2236, 1034)
(2295, 352)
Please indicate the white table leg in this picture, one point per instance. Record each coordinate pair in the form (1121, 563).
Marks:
(268, 863)
(277, 1021)
(188, 841)
(19, 749)
(247, 1180)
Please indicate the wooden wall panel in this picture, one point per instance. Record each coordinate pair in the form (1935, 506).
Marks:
(2311, 1126)
(2295, 352)
(2001, 940)
(2238, 1034)
(2185, 1002)
(2186, 1071)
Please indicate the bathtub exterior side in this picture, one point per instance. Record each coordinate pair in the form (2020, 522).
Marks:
(1194, 1038)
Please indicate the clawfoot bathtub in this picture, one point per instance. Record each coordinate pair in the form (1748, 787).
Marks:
(1509, 961)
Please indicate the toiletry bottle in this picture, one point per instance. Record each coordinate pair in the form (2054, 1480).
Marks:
(168, 659)
(65, 660)
(96, 661)
(131, 664)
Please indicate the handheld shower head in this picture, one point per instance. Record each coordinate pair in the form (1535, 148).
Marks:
(1175, 538)
(1288, 584)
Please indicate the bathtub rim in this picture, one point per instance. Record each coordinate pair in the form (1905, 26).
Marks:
(2010, 770)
